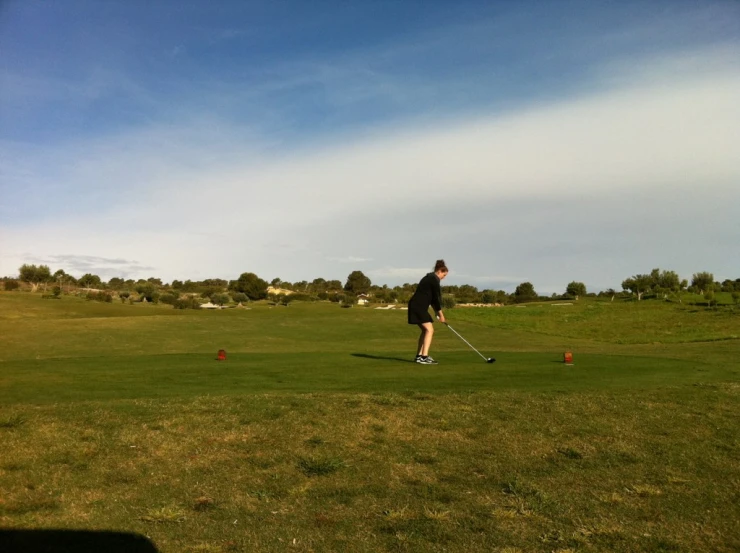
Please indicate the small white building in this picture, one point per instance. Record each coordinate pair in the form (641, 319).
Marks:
(363, 299)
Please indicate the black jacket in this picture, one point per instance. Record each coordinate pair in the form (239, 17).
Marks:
(428, 292)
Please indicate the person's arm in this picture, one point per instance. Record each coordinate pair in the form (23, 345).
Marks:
(437, 300)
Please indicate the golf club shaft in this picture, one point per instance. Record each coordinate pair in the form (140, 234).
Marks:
(464, 340)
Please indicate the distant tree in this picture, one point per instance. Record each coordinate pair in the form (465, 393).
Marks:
(209, 292)
(189, 286)
(575, 289)
(735, 296)
(448, 301)
(728, 285)
(333, 285)
(318, 285)
(710, 297)
(176, 284)
(467, 294)
(608, 293)
(488, 296)
(115, 283)
(702, 282)
(219, 283)
(525, 292)
(357, 283)
(90, 281)
(147, 291)
(638, 285)
(250, 284)
(379, 294)
(35, 275)
(155, 281)
(666, 280)
(276, 282)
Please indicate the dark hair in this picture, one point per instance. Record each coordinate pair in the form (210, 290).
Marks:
(440, 266)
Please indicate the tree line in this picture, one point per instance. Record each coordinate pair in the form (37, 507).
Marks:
(250, 287)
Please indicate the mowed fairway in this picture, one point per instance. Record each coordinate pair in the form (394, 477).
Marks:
(319, 434)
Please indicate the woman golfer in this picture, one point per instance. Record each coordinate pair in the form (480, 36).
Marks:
(428, 292)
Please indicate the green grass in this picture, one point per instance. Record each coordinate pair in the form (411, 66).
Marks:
(318, 434)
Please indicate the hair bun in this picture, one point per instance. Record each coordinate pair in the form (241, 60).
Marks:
(440, 264)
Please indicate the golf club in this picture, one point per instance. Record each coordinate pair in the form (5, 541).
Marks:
(487, 359)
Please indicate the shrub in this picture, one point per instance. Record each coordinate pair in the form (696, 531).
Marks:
(239, 297)
(298, 297)
(448, 301)
(11, 284)
(336, 298)
(169, 298)
(186, 303)
(105, 297)
(220, 298)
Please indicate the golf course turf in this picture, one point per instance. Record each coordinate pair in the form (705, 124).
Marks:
(318, 433)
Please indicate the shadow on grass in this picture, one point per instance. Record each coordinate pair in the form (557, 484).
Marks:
(79, 541)
(382, 357)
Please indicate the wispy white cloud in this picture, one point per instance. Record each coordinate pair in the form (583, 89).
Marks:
(349, 259)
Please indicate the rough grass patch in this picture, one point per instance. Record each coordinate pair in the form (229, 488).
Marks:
(12, 421)
(397, 514)
(204, 503)
(32, 505)
(320, 466)
(390, 400)
(425, 459)
(644, 490)
(570, 453)
(164, 515)
(436, 514)
(315, 441)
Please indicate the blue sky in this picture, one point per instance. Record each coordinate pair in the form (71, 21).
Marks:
(541, 141)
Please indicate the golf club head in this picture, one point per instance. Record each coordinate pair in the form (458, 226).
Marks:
(490, 360)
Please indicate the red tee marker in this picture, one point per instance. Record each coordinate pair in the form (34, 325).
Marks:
(221, 355)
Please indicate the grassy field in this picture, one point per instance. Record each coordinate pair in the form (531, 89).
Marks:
(319, 434)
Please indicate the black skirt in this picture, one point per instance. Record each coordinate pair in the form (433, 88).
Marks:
(417, 316)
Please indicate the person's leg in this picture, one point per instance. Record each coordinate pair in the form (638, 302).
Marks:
(420, 347)
(425, 340)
